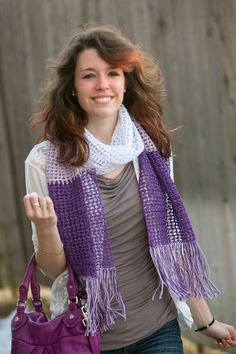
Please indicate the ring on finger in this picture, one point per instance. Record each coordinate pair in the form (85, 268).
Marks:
(36, 205)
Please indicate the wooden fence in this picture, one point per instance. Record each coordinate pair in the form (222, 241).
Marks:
(195, 44)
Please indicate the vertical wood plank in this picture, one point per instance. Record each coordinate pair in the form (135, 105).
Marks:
(194, 42)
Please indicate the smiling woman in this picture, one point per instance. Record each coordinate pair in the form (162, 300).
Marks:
(63, 116)
(100, 90)
(101, 197)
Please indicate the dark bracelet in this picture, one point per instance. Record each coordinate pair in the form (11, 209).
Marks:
(205, 327)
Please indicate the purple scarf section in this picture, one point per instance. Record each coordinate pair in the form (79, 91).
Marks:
(175, 252)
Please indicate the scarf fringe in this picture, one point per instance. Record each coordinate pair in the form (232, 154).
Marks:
(183, 268)
(104, 301)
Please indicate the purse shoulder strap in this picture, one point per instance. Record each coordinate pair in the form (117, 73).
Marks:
(30, 279)
(72, 284)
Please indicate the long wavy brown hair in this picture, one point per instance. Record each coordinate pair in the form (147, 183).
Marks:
(63, 120)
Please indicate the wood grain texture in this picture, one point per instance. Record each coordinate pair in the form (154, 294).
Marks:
(194, 42)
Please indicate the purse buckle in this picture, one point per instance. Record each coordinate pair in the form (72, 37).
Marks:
(85, 314)
(37, 302)
(84, 311)
(21, 304)
(74, 301)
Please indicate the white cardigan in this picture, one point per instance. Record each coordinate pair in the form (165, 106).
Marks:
(35, 177)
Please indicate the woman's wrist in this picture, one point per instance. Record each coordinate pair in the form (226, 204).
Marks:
(55, 253)
(49, 243)
(200, 312)
(46, 232)
(206, 326)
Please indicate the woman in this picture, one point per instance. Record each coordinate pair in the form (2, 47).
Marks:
(100, 194)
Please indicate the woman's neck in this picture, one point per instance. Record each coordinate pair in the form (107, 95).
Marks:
(102, 129)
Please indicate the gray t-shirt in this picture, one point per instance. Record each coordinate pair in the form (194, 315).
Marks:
(137, 277)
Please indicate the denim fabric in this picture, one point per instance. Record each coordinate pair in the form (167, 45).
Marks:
(166, 340)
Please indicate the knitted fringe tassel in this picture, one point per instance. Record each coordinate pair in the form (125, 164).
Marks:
(104, 301)
(183, 268)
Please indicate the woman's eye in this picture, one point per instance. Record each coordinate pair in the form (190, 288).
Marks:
(114, 73)
(88, 76)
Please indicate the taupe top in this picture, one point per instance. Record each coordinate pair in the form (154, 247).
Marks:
(137, 276)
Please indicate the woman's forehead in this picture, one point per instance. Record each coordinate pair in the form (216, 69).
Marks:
(89, 59)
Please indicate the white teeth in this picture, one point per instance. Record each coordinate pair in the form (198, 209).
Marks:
(102, 99)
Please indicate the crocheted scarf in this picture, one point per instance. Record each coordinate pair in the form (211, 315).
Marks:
(174, 250)
(126, 144)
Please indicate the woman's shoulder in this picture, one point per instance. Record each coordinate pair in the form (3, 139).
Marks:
(37, 156)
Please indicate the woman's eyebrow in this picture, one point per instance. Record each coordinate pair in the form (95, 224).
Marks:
(88, 69)
(92, 69)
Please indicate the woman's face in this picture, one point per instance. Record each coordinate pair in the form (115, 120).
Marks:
(99, 86)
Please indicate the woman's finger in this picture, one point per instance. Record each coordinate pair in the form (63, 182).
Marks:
(47, 207)
(32, 205)
(34, 199)
(35, 205)
(49, 203)
(27, 204)
(30, 201)
(42, 206)
(50, 207)
(224, 343)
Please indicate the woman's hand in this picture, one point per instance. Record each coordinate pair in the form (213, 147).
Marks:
(41, 211)
(224, 334)
(50, 255)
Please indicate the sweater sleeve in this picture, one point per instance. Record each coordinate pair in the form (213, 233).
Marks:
(172, 167)
(35, 180)
(35, 177)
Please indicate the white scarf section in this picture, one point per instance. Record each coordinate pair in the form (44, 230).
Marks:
(126, 144)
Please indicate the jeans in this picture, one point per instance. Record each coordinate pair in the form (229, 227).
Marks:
(166, 340)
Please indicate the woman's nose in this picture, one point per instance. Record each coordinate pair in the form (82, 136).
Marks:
(102, 82)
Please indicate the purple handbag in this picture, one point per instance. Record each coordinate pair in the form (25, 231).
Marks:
(33, 333)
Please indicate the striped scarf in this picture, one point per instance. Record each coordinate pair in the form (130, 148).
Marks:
(173, 247)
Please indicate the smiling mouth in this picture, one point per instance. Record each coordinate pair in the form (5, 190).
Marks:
(104, 99)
